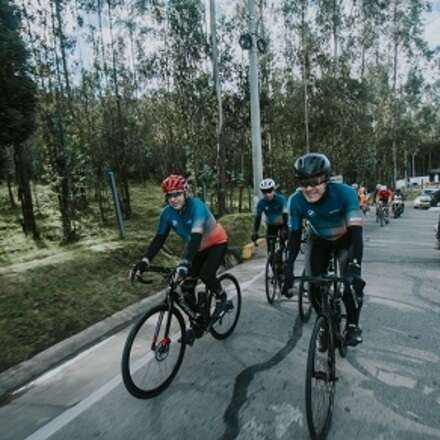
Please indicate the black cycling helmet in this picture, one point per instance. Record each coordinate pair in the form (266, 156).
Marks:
(312, 165)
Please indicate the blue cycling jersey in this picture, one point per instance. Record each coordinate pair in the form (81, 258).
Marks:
(330, 216)
(195, 217)
(273, 209)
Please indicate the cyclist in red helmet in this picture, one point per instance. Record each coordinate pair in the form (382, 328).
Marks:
(206, 243)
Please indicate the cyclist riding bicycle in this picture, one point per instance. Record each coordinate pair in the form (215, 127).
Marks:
(384, 196)
(332, 210)
(206, 243)
(274, 207)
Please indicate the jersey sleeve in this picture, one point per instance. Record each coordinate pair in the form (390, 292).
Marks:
(164, 223)
(260, 208)
(353, 215)
(294, 213)
(199, 216)
(285, 210)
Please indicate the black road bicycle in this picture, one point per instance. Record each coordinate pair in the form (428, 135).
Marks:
(382, 214)
(155, 346)
(274, 274)
(328, 335)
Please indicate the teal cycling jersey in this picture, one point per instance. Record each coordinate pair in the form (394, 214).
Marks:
(273, 209)
(195, 217)
(330, 216)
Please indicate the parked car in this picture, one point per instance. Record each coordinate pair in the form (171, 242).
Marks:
(423, 200)
(435, 198)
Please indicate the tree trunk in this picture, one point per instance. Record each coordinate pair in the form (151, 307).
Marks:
(23, 174)
(219, 131)
(10, 192)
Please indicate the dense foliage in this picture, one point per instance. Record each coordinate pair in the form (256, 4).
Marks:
(127, 85)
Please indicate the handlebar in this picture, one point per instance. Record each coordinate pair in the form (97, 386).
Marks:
(168, 272)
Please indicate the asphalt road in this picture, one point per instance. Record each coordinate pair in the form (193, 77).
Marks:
(251, 386)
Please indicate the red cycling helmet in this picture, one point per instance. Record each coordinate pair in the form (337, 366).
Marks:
(172, 183)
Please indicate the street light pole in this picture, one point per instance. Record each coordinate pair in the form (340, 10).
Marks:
(257, 157)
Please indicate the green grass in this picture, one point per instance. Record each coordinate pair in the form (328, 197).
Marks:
(49, 302)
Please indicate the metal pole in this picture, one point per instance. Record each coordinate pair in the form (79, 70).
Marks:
(117, 205)
(257, 157)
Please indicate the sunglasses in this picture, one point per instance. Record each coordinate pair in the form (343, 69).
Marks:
(174, 195)
(313, 181)
(267, 191)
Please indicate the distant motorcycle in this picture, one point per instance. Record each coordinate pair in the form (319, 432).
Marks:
(397, 206)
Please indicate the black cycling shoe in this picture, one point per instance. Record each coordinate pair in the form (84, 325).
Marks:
(353, 336)
(322, 343)
(189, 337)
(221, 300)
(288, 293)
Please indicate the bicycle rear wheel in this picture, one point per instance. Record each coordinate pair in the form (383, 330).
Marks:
(320, 381)
(271, 279)
(227, 320)
(153, 352)
(304, 304)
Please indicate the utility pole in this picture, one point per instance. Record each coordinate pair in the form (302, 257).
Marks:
(257, 157)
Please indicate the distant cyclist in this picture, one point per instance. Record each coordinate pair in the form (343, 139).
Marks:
(332, 210)
(206, 242)
(274, 207)
(384, 197)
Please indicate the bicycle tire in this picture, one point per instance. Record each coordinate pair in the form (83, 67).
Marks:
(326, 378)
(304, 303)
(136, 364)
(227, 322)
(270, 281)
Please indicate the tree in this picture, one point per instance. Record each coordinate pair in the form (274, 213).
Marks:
(17, 107)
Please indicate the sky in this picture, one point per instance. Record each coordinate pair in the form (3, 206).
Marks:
(432, 31)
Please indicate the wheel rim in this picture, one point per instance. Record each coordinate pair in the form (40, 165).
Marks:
(227, 320)
(271, 281)
(154, 356)
(305, 306)
(320, 381)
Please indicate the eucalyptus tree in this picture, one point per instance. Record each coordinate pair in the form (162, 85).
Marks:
(17, 107)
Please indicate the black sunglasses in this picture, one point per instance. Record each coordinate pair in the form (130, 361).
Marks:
(267, 191)
(174, 195)
(313, 181)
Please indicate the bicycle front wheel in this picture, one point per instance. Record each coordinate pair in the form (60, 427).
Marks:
(320, 380)
(304, 304)
(227, 320)
(153, 352)
(271, 280)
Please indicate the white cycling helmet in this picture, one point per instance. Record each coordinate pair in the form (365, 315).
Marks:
(267, 184)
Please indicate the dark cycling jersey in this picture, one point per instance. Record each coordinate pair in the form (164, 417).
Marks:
(273, 209)
(195, 217)
(330, 216)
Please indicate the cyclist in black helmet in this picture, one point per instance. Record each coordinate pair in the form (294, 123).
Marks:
(332, 210)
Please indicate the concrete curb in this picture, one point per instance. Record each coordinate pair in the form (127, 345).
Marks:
(26, 371)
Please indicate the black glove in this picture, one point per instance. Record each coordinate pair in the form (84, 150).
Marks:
(139, 268)
(182, 269)
(254, 237)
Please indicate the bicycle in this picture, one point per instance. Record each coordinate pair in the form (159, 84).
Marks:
(274, 272)
(155, 346)
(304, 303)
(382, 214)
(327, 335)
